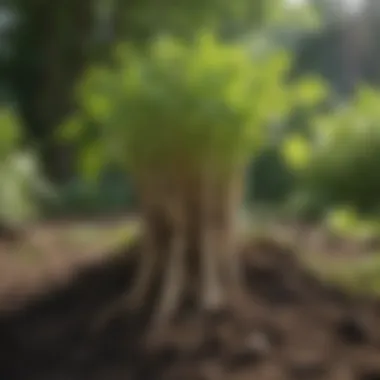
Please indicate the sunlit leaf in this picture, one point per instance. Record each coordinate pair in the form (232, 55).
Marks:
(310, 91)
(297, 152)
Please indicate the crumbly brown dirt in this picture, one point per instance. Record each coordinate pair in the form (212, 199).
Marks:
(290, 326)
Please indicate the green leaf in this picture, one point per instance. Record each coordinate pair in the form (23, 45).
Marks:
(297, 152)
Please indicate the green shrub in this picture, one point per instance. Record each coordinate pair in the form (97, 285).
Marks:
(341, 161)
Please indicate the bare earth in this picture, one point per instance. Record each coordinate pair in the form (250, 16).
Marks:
(291, 326)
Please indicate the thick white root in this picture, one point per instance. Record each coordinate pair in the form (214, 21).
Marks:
(212, 295)
(144, 277)
(173, 281)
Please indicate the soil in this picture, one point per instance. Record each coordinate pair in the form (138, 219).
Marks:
(290, 326)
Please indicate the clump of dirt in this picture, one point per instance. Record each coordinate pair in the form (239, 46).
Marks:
(289, 326)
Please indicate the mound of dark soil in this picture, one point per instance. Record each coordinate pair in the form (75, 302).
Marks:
(290, 326)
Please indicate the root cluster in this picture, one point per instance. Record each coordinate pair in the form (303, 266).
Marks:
(191, 240)
(190, 247)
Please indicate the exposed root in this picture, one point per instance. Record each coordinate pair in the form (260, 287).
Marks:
(212, 295)
(230, 264)
(144, 276)
(193, 222)
(173, 283)
(133, 299)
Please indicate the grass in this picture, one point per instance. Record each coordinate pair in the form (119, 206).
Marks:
(360, 275)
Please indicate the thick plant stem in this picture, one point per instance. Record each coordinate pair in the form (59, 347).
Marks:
(145, 272)
(223, 204)
(191, 245)
(173, 255)
(134, 299)
(231, 203)
(173, 279)
(152, 217)
(212, 291)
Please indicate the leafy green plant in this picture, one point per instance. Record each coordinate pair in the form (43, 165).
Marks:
(185, 120)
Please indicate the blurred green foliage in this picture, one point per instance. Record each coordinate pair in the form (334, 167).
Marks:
(40, 70)
(339, 163)
(346, 222)
(22, 184)
(80, 197)
(181, 105)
